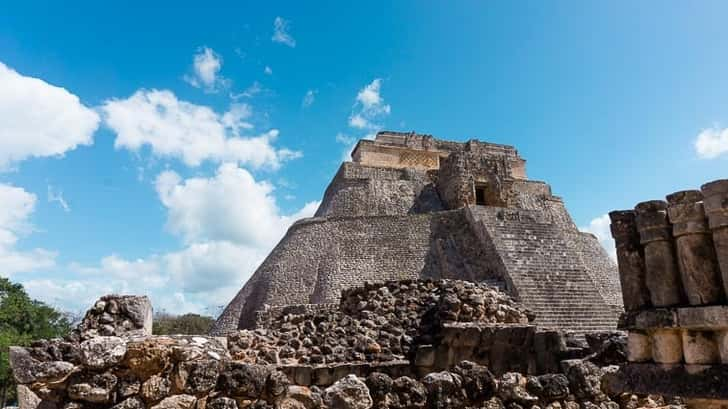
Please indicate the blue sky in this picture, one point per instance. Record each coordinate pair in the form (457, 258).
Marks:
(165, 148)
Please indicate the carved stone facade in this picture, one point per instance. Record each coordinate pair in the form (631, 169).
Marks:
(673, 272)
(410, 206)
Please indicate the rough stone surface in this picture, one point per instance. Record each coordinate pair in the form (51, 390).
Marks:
(118, 315)
(363, 354)
(694, 245)
(716, 209)
(102, 352)
(348, 393)
(631, 260)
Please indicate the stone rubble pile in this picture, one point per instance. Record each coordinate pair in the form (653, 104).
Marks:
(377, 322)
(250, 369)
(117, 315)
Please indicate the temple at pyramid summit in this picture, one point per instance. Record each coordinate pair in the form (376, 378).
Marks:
(412, 206)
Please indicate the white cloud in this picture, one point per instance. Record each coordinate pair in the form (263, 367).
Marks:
(229, 223)
(358, 121)
(712, 142)
(370, 97)
(146, 273)
(192, 133)
(206, 65)
(230, 206)
(600, 228)
(309, 98)
(16, 206)
(369, 107)
(203, 267)
(281, 34)
(254, 89)
(38, 119)
(54, 196)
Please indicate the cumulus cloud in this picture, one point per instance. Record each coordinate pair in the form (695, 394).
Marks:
(711, 143)
(281, 34)
(309, 98)
(190, 132)
(228, 222)
(206, 65)
(600, 228)
(369, 107)
(230, 206)
(38, 119)
(16, 206)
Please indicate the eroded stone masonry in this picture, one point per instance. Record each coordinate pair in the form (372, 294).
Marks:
(395, 344)
(410, 206)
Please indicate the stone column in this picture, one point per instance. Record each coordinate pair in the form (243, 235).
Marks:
(695, 253)
(716, 208)
(630, 259)
(661, 272)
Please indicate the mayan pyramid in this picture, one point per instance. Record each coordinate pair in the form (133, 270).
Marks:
(411, 206)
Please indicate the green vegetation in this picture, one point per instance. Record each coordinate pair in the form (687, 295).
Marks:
(188, 324)
(23, 320)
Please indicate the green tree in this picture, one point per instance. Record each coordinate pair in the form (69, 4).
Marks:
(188, 324)
(23, 320)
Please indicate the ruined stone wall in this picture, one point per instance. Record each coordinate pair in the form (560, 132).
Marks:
(359, 190)
(329, 255)
(289, 364)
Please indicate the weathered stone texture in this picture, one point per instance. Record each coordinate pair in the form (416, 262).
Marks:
(662, 276)
(118, 315)
(694, 244)
(631, 260)
(679, 347)
(368, 354)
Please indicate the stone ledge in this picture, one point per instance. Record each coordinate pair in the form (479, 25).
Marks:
(686, 381)
(712, 317)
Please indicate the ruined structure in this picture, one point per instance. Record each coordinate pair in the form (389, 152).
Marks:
(410, 206)
(412, 344)
(673, 265)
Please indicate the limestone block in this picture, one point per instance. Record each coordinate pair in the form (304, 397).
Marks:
(27, 399)
(706, 403)
(349, 392)
(716, 209)
(639, 347)
(721, 338)
(700, 347)
(302, 375)
(713, 317)
(631, 260)
(322, 376)
(695, 252)
(662, 276)
(103, 352)
(666, 346)
(425, 356)
(118, 315)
